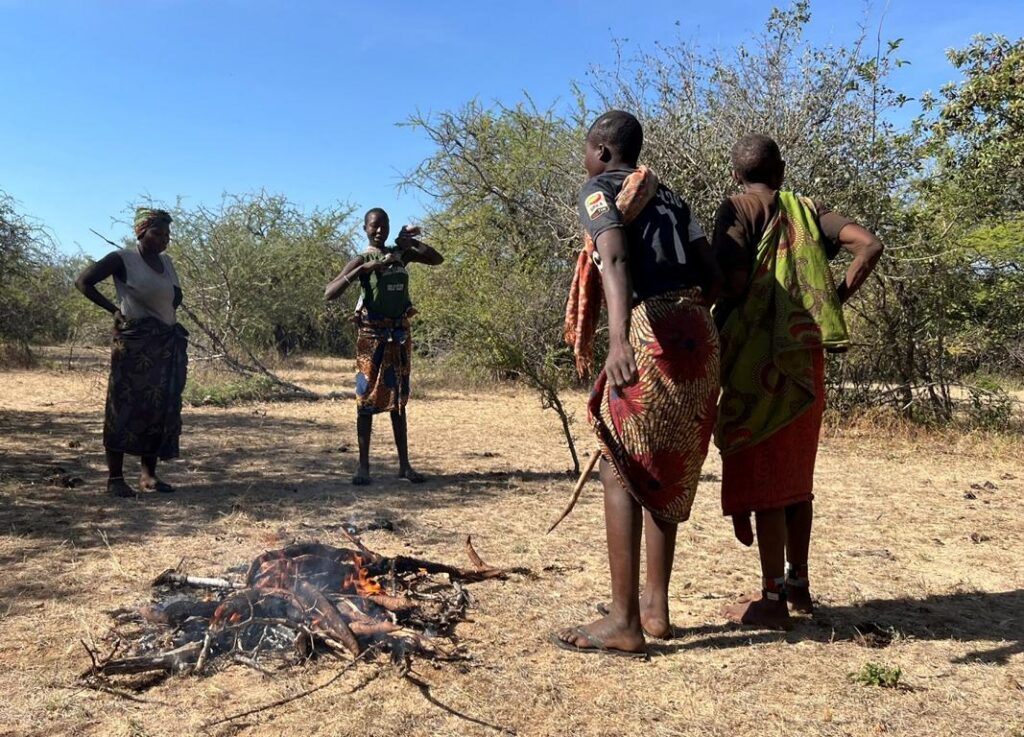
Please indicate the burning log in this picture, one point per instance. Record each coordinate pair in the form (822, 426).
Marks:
(393, 603)
(290, 556)
(303, 605)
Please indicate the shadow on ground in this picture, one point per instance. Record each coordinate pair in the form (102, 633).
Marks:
(966, 617)
(277, 470)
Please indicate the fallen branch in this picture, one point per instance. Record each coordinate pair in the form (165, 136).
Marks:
(256, 368)
(584, 477)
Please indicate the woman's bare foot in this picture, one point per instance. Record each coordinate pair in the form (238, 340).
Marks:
(119, 487)
(654, 623)
(152, 483)
(799, 597)
(654, 617)
(604, 635)
(361, 477)
(410, 474)
(761, 612)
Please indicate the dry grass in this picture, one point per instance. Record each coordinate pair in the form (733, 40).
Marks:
(897, 544)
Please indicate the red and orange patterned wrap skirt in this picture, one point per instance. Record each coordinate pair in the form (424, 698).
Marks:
(778, 471)
(383, 363)
(656, 432)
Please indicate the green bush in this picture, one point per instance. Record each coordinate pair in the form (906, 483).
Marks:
(875, 674)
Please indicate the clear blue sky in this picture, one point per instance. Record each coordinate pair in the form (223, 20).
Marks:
(104, 101)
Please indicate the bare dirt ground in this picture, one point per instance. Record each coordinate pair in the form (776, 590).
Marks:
(898, 546)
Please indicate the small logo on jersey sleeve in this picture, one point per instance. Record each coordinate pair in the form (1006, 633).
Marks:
(596, 205)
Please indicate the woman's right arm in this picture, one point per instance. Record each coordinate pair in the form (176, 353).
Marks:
(866, 250)
(349, 274)
(109, 265)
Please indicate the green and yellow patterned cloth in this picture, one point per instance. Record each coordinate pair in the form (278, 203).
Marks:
(790, 306)
(146, 217)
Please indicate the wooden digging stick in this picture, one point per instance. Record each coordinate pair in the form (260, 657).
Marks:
(579, 488)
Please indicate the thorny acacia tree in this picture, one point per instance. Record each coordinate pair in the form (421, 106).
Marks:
(978, 147)
(503, 180)
(253, 271)
(33, 281)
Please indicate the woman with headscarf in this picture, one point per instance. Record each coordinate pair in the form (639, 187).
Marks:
(148, 360)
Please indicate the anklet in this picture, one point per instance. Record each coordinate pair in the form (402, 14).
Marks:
(774, 589)
(794, 577)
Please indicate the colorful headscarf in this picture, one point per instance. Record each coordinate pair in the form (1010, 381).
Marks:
(146, 217)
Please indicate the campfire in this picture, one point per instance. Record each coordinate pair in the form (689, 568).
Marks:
(294, 604)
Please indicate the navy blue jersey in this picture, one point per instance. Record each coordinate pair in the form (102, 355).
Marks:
(657, 240)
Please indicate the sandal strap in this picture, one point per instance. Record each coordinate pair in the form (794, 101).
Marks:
(594, 639)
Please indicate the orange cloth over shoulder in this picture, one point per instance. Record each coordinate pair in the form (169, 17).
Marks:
(584, 307)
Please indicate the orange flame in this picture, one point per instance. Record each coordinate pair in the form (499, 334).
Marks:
(362, 583)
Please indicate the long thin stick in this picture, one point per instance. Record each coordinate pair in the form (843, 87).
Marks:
(579, 488)
(103, 237)
(293, 697)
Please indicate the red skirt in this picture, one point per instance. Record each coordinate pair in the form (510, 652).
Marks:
(778, 471)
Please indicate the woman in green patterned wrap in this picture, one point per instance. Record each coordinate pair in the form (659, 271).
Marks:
(781, 313)
(384, 345)
(148, 359)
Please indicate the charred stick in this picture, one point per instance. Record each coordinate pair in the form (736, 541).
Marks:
(357, 614)
(92, 656)
(201, 660)
(250, 662)
(171, 576)
(173, 661)
(358, 543)
(97, 685)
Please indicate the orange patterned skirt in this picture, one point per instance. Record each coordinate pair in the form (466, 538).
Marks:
(383, 364)
(656, 432)
(778, 471)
